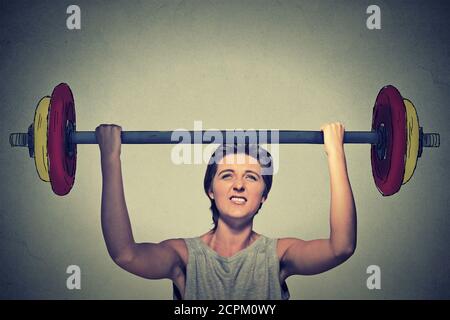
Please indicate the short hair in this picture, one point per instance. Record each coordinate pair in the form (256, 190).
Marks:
(263, 157)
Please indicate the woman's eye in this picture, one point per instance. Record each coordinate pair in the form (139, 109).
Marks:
(252, 177)
(226, 176)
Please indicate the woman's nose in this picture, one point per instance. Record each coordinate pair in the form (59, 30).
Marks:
(238, 185)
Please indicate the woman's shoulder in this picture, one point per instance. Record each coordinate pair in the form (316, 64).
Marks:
(179, 246)
(283, 244)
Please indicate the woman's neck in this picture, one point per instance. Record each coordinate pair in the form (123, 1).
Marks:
(227, 241)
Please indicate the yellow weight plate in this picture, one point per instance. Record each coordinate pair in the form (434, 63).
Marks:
(40, 138)
(412, 147)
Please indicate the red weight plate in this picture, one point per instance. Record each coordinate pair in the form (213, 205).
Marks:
(61, 165)
(390, 111)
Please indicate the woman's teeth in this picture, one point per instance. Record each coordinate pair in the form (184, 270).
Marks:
(238, 200)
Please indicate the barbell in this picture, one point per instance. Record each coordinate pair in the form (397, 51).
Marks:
(396, 139)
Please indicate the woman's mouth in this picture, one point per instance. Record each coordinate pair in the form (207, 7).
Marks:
(238, 200)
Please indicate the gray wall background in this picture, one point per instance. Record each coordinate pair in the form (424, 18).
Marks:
(161, 65)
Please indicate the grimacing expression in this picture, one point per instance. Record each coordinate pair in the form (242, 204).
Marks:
(237, 187)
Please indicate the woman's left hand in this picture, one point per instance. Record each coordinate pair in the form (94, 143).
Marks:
(333, 136)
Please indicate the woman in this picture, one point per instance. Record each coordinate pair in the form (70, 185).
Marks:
(231, 261)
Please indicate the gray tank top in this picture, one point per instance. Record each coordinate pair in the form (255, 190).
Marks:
(251, 274)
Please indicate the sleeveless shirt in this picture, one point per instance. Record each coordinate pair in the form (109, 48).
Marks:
(251, 274)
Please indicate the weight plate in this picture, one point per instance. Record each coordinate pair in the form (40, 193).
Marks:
(412, 148)
(62, 166)
(389, 111)
(40, 126)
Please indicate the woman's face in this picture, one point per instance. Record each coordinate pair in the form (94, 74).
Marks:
(237, 186)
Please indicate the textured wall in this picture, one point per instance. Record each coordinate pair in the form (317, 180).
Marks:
(161, 65)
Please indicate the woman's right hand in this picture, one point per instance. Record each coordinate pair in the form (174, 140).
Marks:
(108, 138)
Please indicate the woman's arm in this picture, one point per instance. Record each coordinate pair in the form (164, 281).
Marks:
(116, 224)
(342, 207)
(149, 260)
(316, 256)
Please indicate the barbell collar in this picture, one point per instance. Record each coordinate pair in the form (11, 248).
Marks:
(431, 140)
(21, 139)
(18, 139)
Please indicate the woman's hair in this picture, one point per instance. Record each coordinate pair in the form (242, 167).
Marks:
(263, 157)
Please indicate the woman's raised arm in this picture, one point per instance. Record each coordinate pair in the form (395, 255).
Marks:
(149, 260)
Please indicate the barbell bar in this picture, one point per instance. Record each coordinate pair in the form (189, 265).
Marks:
(396, 139)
